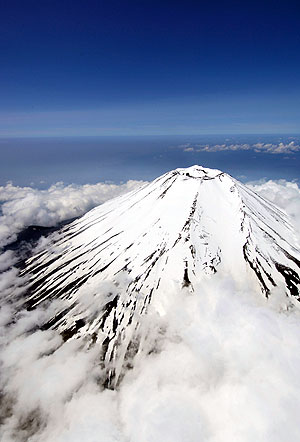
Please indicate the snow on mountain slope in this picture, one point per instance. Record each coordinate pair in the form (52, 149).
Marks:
(136, 250)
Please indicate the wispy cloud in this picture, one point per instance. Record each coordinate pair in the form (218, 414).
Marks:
(272, 148)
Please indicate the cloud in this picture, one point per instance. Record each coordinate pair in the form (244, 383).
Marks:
(25, 206)
(220, 349)
(279, 148)
(282, 193)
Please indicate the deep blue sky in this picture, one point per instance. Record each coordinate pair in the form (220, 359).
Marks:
(149, 67)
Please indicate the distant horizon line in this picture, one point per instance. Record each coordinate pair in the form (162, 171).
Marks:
(287, 134)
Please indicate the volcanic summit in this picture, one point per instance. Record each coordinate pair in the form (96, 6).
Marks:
(138, 249)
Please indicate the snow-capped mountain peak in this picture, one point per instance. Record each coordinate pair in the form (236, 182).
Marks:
(136, 250)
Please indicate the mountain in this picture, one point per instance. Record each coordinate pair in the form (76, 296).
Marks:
(106, 269)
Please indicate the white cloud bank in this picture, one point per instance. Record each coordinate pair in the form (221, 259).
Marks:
(25, 206)
(282, 193)
(276, 148)
(226, 367)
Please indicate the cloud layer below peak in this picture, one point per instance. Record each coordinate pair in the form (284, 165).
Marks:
(25, 206)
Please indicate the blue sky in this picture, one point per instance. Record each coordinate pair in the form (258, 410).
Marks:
(141, 67)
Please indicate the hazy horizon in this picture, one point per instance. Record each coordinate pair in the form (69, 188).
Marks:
(41, 162)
